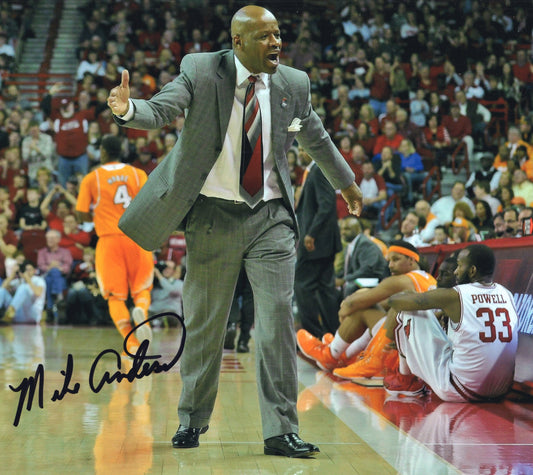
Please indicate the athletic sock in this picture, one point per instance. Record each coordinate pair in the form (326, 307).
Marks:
(403, 368)
(358, 345)
(337, 346)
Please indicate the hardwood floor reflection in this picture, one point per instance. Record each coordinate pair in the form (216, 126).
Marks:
(126, 427)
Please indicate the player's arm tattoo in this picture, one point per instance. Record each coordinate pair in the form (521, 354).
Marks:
(421, 300)
(410, 301)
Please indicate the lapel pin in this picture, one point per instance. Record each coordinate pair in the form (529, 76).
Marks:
(284, 102)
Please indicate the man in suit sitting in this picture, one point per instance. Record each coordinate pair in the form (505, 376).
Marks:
(235, 201)
(363, 259)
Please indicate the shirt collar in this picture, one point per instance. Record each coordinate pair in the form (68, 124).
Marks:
(243, 74)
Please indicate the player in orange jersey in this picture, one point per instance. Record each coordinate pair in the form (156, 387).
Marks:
(363, 313)
(122, 266)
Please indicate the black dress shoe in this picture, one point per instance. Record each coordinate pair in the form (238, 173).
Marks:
(187, 437)
(242, 347)
(229, 341)
(289, 445)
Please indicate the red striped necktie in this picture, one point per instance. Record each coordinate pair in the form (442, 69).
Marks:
(251, 178)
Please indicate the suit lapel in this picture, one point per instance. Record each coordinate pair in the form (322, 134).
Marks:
(225, 84)
(355, 246)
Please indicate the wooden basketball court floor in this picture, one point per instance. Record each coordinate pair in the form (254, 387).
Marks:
(126, 427)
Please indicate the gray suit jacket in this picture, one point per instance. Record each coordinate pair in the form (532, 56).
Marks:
(205, 90)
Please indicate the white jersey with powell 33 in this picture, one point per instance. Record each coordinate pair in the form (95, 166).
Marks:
(475, 361)
(485, 339)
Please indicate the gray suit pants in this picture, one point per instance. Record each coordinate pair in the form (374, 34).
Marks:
(221, 236)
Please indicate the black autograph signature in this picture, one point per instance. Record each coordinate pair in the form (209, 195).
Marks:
(140, 368)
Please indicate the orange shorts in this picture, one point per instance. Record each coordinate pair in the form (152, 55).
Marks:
(122, 266)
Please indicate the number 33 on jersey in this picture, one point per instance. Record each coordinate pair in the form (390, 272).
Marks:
(107, 191)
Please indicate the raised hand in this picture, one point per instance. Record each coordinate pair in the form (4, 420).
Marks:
(118, 96)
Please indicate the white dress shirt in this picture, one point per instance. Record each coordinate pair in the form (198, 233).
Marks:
(223, 179)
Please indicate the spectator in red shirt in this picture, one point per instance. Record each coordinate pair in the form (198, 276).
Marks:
(145, 161)
(55, 219)
(365, 138)
(460, 129)
(345, 148)
(377, 78)
(390, 138)
(437, 139)
(168, 42)
(367, 115)
(357, 158)
(57, 204)
(73, 238)
(523, 71)
(71, 130)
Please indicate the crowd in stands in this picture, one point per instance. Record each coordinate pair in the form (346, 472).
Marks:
(400, 87)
